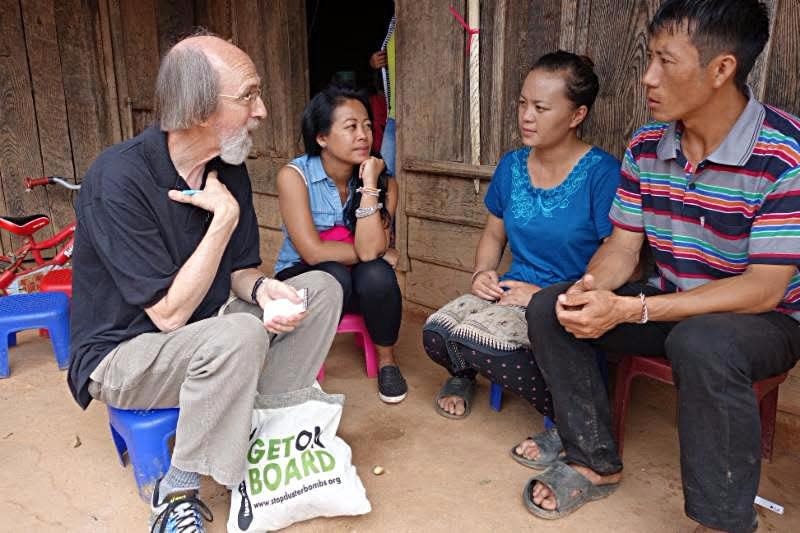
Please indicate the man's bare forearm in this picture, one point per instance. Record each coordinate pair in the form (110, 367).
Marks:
(758, 290)
(242, 282)
(616, 260)
(194, 278)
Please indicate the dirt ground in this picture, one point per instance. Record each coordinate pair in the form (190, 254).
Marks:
(59, 471)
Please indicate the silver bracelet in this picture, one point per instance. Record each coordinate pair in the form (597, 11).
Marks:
(368, 191)
(363, 212)
(645, 314)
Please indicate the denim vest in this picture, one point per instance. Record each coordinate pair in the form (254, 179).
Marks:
(323, 199)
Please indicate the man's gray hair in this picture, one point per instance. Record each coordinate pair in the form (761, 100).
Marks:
(186, 88)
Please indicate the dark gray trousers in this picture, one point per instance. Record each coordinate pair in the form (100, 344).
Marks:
(715, 359)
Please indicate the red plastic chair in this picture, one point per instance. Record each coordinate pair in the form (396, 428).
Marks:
(660, 369)
(353, 323)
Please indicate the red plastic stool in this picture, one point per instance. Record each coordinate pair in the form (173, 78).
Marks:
(59, 280)
(353, 323)
(660, 369)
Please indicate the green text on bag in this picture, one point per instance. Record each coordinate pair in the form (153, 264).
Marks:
(276, 461)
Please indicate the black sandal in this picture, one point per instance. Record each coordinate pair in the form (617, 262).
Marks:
(571, 491)
(550, 450)
(463, 388)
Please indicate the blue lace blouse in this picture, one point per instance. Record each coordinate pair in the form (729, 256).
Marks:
(553, 233)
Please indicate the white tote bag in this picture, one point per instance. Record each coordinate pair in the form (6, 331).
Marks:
(297, 468)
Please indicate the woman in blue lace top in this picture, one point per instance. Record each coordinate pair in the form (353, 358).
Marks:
(549, 202)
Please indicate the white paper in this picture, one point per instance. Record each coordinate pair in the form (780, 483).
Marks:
(284, 307)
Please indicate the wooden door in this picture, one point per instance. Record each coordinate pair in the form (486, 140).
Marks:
(273, 33)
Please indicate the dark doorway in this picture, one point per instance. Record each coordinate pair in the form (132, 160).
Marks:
(342, 34)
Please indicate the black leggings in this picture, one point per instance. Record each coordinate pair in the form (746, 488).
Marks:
(516, 371)
(370, 289)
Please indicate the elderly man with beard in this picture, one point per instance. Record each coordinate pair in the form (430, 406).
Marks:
(166, 232)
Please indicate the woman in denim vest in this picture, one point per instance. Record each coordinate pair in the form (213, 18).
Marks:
(337, 206)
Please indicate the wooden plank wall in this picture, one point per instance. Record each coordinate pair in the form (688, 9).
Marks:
(54, 107)
(274, 34)
(443, 216)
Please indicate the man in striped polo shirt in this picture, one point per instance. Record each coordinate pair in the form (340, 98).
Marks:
(714, 188)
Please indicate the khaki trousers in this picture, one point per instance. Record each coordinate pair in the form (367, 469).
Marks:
(213, 368)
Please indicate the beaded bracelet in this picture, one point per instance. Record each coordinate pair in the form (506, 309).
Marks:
(256, 286)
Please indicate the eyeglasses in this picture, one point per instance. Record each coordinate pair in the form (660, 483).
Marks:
(248, 98)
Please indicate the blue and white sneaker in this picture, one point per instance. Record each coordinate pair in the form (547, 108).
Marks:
(178, 513)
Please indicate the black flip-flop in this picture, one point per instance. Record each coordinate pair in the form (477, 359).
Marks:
(464, 388)
(570, 488)
(550, 450)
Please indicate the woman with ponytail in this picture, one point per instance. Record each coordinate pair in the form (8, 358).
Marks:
(548, 202)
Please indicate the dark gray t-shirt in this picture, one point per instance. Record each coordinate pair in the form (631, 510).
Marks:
(130, 242)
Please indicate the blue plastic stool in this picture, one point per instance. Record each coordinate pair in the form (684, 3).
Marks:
(496, 392)
(145, 436)
(46, 310)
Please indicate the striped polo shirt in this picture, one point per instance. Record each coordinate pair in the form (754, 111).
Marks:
(740, 206)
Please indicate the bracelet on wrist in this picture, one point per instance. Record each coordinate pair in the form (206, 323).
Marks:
(645, 315)
(369, 191)
(475, 275)
(363, 212)
(256, 286)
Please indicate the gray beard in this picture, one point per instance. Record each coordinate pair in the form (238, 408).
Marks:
(235, 148)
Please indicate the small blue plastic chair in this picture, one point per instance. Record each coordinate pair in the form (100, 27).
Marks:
(145, 436)
(44, 310)
(496, 391)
